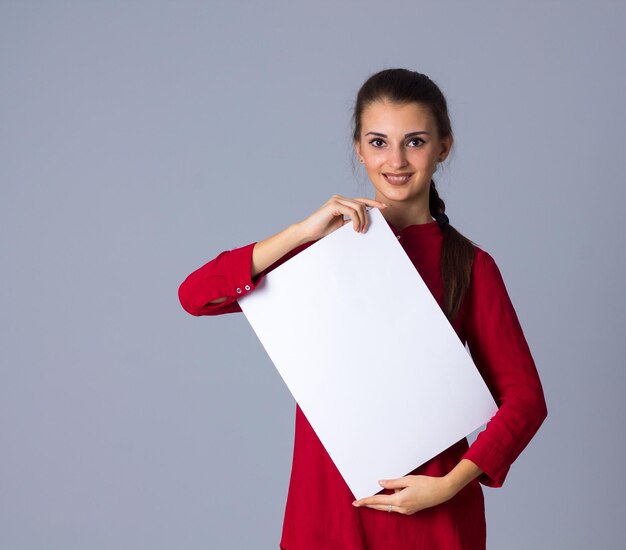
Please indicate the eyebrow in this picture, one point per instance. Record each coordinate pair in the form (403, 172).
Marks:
(410, 134)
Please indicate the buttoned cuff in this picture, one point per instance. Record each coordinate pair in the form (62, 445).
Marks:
(228, 276)
(239, 271)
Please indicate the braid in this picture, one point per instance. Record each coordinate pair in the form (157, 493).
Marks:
(435, 203)
(457, 255)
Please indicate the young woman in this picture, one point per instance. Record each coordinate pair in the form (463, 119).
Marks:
(402, 132)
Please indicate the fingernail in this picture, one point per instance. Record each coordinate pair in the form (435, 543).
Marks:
(381, 482)
(355, 504)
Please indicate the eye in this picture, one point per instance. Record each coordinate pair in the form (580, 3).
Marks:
(416, 139)
(373, 141)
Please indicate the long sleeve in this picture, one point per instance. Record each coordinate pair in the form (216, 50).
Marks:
(228, 275)
(501, 354)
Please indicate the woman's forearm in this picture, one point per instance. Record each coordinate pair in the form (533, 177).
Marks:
(267, 251)
(257, 257)
(464, 472)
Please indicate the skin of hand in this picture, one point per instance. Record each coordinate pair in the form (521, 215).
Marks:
(330, 215)
(416, 492)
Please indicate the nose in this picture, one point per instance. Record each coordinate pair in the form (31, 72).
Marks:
(397, 157)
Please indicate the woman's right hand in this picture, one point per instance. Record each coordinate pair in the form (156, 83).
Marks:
(329, 216)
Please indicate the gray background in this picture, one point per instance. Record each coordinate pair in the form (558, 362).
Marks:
(140, 139)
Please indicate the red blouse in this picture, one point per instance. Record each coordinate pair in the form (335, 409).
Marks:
(319, 514)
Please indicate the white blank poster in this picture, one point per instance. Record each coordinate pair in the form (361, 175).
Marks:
(368, 354)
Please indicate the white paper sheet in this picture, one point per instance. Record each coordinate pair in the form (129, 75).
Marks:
(368, 354)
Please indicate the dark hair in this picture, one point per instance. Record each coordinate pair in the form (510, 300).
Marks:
(403, 86)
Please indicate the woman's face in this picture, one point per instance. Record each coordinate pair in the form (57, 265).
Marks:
(401, 148)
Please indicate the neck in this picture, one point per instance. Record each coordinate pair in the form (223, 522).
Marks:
(401, 215)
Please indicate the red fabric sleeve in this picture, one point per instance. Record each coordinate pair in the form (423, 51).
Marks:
(227, 275)
(501, 354)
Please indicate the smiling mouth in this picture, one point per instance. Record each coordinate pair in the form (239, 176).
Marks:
(397, 179)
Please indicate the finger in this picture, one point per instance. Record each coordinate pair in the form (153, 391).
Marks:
(367, 200)
(361, 209)
(398, 483)
(358, 207)
(385, 508)
(376, 500)
(357, 212)
(369, 204)
(372, 202)
(341, 209)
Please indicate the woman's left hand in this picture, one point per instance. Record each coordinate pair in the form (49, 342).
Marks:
(412, 493)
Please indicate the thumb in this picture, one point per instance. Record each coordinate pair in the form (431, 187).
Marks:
(398, 483)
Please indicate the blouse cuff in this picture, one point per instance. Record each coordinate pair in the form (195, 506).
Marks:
(228, 275)
(239, 271)
(488, 456)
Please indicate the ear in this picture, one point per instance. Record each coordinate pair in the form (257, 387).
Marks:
(444, 150)
(357, 148)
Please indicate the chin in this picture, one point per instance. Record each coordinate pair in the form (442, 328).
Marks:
(402, 195)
